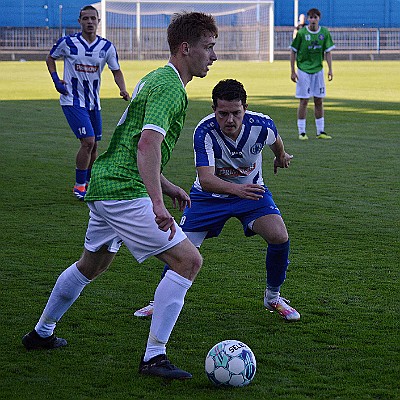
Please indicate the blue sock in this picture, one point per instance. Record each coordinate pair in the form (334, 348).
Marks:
(80, 176)
(276, 264)
(166, 268)
(88, 175)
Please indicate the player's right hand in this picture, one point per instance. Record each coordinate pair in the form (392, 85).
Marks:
(59, 84)
(164, 220)
(125, 95)
(61, 87)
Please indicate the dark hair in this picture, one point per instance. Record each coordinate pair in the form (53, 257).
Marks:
(229, 89)
(88, 8)
(313, 11)
(189, 27)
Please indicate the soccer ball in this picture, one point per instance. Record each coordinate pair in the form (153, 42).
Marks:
(230, 363)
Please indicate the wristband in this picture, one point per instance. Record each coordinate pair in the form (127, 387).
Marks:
(55, 77)
(60, 87)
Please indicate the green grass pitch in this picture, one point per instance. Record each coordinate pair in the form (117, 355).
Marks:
(340, 200)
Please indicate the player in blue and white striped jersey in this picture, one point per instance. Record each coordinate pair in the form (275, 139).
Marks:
(234, 150)
(85, 56)
(228, 148)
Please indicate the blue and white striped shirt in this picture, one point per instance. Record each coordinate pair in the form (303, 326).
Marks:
(238, 161)
(83, 65)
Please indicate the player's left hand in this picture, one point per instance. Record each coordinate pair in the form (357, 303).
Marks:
(125, 95)
(282, 162)
(179, 198)
(177, 194)
(330, 75)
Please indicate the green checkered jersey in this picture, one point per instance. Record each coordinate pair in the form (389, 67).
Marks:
(310, 48)
(159, 102)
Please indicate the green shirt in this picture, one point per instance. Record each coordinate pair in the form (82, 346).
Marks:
(159, 102)
(310, 48)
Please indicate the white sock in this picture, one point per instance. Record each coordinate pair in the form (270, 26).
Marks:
(168, 303)
(320, 124)
(67, 289)
(301, 125)
(271, 294)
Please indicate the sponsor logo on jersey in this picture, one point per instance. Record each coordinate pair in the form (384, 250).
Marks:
(314, 45)
(236, 154)
(232, 172)
(86, 68)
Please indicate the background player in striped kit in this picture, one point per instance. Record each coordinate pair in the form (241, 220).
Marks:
(85, 55)
(228, 157)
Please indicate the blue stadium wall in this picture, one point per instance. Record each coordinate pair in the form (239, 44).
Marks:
(335, 13)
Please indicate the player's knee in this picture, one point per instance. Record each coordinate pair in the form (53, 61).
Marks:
(88, 145)
(283, 238)
(192, 265)
(196, 262)
(279, 237)
(318, 101)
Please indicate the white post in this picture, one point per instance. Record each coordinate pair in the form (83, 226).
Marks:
(103, 19)
(296, 12)
(138, 38)
(271, 32)
(258, 33)
(60, 7)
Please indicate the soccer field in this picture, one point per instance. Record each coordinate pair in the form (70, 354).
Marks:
(340, 200)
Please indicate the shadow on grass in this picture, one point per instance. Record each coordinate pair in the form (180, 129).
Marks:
(46, 116)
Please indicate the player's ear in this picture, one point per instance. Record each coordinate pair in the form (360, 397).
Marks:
(184, 48)
(245, 106)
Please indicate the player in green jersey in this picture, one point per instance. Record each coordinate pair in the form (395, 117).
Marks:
(116, 174)
(125, 197)
(307, 51)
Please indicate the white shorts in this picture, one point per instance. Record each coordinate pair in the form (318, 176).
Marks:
(113, 222)
(310, 85)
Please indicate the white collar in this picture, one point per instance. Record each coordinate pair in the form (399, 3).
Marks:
(173, 67)
(319, 28)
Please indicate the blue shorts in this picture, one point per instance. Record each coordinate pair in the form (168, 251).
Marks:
(84, 123)
(209, 214)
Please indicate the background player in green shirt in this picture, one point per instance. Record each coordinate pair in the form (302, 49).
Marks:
(308, 49)
(125, 197)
